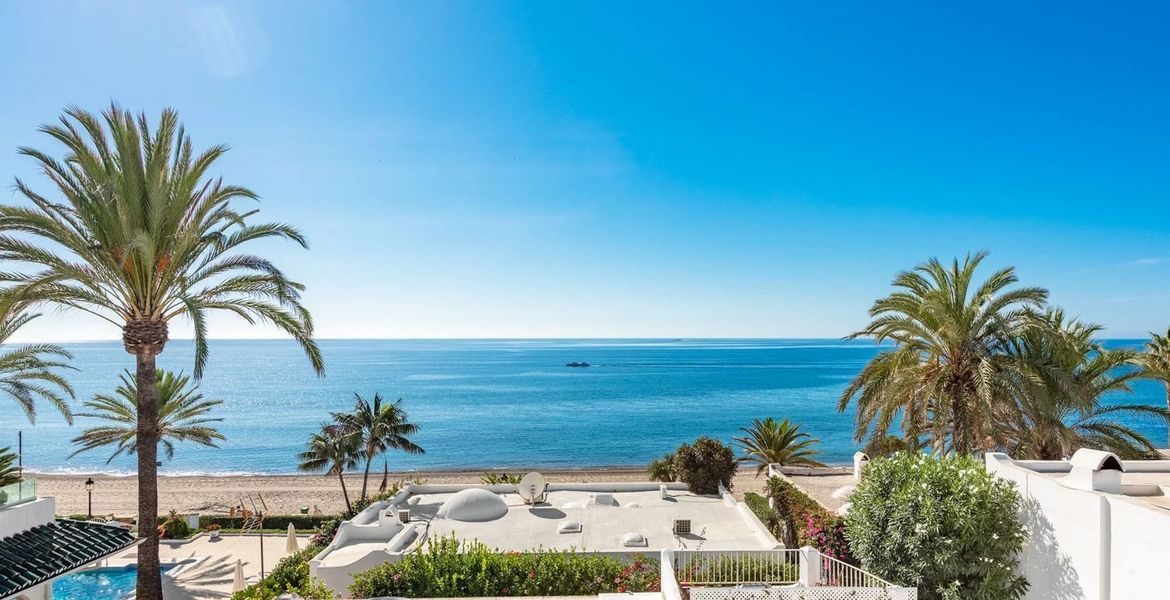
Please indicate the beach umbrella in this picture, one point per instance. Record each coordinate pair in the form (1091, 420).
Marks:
(238, 584)
(290, 545)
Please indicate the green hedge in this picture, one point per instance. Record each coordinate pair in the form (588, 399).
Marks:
(449, 569)
(303, 523)
(759, 505)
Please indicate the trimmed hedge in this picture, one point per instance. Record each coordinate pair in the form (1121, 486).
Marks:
(303, 523)
(448, 569)
(759, 505)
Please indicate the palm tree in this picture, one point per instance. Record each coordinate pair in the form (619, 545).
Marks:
(182, 416)
(662, 469)
(331, 450)
(378, 428)
(29, 373)
(9, 471)
(143, 234)
(1069, 375)
(771, 442)
(949, 372)
(1156, 362)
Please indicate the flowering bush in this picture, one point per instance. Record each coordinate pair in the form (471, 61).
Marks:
(291, 575)
(449, 569)
(826, 532)
(942, 524)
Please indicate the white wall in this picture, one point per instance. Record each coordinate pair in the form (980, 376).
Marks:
(1086, 545)
(22, 517)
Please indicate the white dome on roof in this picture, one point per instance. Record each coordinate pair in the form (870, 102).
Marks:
(473, 505)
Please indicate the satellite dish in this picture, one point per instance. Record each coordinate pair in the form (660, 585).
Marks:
(531, 488)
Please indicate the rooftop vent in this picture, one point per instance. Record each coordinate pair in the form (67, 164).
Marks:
(682, 526)
(1095, 470)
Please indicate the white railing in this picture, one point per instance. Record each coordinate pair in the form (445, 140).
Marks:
(770, 575)
(736, 567)
(839, 574)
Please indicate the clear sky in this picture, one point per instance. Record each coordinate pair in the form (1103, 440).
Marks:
(592, 169)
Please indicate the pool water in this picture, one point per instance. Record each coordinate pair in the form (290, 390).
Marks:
(105, 583)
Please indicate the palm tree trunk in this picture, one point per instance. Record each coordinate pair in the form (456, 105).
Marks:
(1168, 408)
(344, 492)
(149, 576)
(365, 479)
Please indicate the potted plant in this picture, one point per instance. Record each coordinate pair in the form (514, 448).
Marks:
(213, 531)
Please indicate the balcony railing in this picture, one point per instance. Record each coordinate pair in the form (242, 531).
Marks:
(17, 493)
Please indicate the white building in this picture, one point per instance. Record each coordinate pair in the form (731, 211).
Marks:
(1099, 527)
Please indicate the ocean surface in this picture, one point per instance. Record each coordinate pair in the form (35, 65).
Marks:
(488, 403)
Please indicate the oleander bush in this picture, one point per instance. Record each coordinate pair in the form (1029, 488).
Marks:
(705, 464)
(446, 568)
(944, 525)
(289, 576)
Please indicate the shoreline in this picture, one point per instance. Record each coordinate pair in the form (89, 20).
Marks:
(289, 493)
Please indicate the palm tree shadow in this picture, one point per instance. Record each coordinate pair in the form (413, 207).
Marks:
(1046, 560)
(201, 581)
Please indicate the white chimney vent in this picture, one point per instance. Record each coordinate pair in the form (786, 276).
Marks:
(1095, 470)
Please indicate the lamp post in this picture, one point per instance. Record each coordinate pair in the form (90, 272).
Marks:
(89, 492)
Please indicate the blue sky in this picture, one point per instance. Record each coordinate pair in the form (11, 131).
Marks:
(472, 169)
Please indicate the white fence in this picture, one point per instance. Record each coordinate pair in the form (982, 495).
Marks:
(803, 574)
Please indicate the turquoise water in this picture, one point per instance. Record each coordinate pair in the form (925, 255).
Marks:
(106, 583)
(491, 403)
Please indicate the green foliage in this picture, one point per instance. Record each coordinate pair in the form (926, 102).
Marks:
(789, 518)
(714, 569)
(446, 568)
(290, 576)
(759, 506)
(332, 450)
(30, 373)
(705, 464)
(500, 478)
(175, 527)
(9, 471)
(300, 522)
(182, 416)
(768, 441)
(662, 469)
(377, 428)
(942, 524)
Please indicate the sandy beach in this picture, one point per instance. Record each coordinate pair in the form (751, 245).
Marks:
(285, 494)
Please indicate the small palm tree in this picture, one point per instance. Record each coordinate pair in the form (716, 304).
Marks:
(662, 469)
(1156, 362)
(9, 471)
(378, 428)
(770, 442)
(29, 373)
(333, 451)
(182, 416)
(949, 375)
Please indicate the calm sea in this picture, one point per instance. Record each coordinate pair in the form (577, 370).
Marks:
(489, 403)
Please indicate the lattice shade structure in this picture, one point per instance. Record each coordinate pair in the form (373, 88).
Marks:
(46, 551)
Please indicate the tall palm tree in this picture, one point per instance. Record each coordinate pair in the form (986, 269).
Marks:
(378, 428)
(143, 234)
(29, 373)
(182, 416)
(1156, 362)
(1070, 375)
(770, 442)
(949, 372)
(331, 450)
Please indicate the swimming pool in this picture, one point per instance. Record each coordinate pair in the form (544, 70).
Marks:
(104, 583)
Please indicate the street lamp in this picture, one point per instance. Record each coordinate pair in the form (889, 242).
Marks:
(89, 492)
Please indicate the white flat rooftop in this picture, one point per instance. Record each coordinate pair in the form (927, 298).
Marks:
(715, 525)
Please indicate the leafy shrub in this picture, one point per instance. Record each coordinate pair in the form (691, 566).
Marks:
(942, 524)
(759, 505)
(326, 532)
(826, 532)
(449, 569)
(175, 527)
(705, 464)
(499, 478)
(291, 575)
